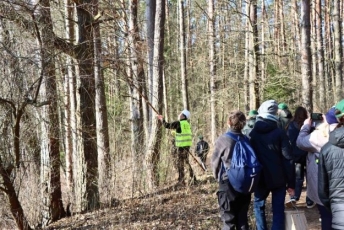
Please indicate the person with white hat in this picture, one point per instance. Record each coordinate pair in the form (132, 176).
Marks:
(183, 141)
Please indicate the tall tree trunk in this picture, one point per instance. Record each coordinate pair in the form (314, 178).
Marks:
(262, 57)
(69, 100)
(102, 130)
(306, 59)
(212, 67)
(182, 48)
(337, 30)
(136, 79)
(150, 15)
(247, 62)
(85, 56)
(50, 151)
(313, 54)
(297, 33)
(253, 56)
(153, 147)
(282, 36)
(277, 32)
(320, 48)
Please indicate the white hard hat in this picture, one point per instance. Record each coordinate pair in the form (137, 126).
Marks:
(186, 113)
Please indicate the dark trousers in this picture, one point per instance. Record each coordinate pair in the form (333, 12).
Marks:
(326, 218)
(233, 207)
(277, 202)
(299, 176)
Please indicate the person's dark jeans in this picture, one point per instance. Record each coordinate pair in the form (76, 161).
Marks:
(326, 218)
(233, 207)
(299, 178)
(278, 198)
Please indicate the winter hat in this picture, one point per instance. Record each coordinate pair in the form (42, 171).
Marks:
(186, 113)
(331, 116)
(268, 110)
(340, 107)
(253, 113)
(282, 106)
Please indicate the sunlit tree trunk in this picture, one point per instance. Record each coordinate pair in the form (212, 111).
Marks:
(306, 59)
(136, 79)
(50, 145)
(329, 73)
(313, 54)
(182, 48)
(212, 68)
(102, 126)
(277, 32)
(320, 48)
(152, 154)
(253, 56)
(69, 98)
(150, 15)
(297, 33)
(263, 31)
(337, 32)
(247, 67)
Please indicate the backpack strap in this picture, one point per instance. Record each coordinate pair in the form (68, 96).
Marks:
(236, 137)
(233, 136)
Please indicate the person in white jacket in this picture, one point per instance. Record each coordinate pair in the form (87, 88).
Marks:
(313, 141)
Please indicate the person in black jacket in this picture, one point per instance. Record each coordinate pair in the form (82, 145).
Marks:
(202, 149)
(273, 150)
(331, 171)
(299, 155)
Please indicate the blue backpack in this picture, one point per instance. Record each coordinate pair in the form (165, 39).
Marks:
(245, 169)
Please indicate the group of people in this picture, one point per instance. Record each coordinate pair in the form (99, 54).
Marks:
(285, 145)
(288, 147)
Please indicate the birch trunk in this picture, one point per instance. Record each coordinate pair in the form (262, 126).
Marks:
(153, 147)
(212, 68)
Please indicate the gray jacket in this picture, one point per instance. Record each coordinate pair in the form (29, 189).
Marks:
(223, 152)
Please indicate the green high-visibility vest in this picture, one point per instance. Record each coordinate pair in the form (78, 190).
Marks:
(184, 138)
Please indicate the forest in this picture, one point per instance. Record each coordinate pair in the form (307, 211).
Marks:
(82, 83)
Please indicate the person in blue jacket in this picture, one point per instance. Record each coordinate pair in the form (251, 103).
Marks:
(273, 150)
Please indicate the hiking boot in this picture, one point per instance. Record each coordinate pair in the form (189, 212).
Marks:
(293, 199)
(310, 204)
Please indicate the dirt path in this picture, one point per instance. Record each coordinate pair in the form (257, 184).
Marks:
(193, 207)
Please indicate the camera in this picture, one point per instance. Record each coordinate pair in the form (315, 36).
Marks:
(316, 116)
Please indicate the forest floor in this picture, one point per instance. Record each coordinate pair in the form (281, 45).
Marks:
(191, 207)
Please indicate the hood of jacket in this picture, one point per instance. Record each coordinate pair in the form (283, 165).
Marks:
(264, 125)
(337, 137)
(285, 113)
(251, 122)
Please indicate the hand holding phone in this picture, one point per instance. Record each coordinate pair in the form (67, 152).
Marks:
(316, 116)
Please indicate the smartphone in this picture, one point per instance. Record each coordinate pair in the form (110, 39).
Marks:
(316, 116)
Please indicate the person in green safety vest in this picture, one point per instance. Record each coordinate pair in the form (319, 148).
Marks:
(183, 141)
